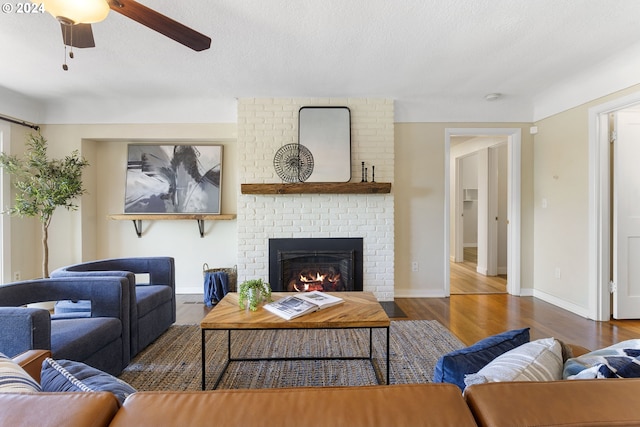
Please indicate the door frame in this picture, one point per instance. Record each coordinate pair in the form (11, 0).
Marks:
(599, 237)
(514, 144)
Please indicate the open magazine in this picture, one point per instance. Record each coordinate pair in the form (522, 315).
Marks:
(302, 303)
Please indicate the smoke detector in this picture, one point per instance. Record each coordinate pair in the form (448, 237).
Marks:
(492, 96)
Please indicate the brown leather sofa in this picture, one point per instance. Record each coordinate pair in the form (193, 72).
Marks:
(558, 403)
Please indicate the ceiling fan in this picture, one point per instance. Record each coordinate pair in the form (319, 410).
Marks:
(76, 17)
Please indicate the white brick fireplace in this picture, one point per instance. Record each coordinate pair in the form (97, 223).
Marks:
(264, 125)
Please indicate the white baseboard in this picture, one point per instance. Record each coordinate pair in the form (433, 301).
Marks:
(502, 270)
(470, 245)
(526, 292)
(569, 306)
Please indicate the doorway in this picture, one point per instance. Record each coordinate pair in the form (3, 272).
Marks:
(488, 235)
(479, 193)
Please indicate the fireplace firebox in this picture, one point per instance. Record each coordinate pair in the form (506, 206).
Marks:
(315, 264)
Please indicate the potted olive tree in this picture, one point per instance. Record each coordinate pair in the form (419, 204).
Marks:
(42, 184)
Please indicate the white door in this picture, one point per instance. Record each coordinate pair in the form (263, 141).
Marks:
(626, 215)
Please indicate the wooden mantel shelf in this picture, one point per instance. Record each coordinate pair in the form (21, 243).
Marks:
(200, 218)
(318, 188)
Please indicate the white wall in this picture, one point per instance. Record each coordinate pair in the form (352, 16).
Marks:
(561, 209)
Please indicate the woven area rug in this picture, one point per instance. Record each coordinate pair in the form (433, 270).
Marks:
(173, 361)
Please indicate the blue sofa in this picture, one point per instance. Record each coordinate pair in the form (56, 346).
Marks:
(100, 340)
(153, 303)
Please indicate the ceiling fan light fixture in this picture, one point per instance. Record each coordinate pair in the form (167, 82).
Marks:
(77, 11)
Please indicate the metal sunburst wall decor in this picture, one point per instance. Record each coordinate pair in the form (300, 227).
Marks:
(293, 163)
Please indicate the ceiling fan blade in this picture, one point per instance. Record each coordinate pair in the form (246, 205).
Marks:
(162, 24)
(78, 35)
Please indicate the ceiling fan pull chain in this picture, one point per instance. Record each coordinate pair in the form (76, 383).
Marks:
(64, 64)
(71, 51)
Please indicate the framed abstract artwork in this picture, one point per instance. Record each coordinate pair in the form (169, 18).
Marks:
(180, 179)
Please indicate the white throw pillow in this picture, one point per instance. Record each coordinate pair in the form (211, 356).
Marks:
(539, 360)
(14, 379)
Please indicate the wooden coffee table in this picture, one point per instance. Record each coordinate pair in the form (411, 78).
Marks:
(361, 310)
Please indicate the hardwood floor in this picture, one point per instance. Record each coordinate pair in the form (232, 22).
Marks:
(473, 317)
(465, 280)
(190, 309)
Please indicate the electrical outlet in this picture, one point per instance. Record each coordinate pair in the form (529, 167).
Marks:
(558, 273)
(414, 266)
(16, 276)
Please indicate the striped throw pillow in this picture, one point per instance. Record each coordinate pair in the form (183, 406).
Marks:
(539, 360)
(14, 379)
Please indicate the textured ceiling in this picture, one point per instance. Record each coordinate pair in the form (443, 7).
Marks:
(408, 50)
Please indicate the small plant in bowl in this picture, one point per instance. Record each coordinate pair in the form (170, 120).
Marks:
(253, 292)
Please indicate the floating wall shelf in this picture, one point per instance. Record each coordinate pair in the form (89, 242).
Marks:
(200, 218)
(318, 188)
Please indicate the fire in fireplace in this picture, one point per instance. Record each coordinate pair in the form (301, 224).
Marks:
(318, 271)
(315, 279)
(302, 265)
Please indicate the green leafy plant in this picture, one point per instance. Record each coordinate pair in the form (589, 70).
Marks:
(253, 291)
(42, 184)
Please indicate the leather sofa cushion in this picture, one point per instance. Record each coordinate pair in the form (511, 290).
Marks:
(596, 403)
(415, 405)
(150, 297)
(57, 409)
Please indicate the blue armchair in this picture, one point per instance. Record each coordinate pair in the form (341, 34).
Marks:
(100, 340)
(153, 304)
